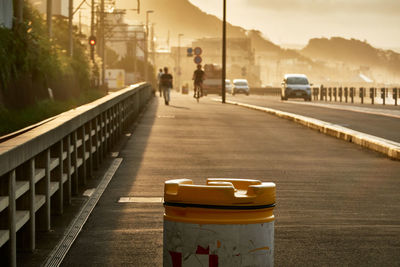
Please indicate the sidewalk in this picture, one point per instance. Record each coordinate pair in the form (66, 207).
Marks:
(208, 139)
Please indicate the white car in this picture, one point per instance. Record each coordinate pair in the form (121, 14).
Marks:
(240, 86)
(295, 86)
(228, 86)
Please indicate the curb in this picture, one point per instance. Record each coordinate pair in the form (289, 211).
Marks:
(384, 146)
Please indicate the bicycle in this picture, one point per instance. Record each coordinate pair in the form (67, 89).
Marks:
(197, 92)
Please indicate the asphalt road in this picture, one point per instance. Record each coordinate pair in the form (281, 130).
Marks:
(360, 118)
(337, 203)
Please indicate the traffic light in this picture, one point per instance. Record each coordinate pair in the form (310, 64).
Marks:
(92, 40)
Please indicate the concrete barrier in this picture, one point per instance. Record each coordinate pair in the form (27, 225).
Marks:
(41, 168)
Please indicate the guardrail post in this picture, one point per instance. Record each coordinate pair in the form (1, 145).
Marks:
(330, 93)
(105, 117)
(346, 93)
(395, 92)
(321, 95)
(60, 201)
(96, 141)
(44, 212)
(67, 198)
(90, 169)
(372, 94)
(383, 96)
(47, 206)
(340, 93)
(362, 94)
(75, 180)
(12, 218)
(83, 154)
(352, 94)
(32, 215)
(120, 118)
(335, 93)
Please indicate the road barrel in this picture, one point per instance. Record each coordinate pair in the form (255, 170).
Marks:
(227, 222)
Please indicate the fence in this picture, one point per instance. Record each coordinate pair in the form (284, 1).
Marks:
(41, 169)
(361, 95)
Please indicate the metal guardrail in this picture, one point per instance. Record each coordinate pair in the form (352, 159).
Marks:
(346, 94)
(41, 169)
(358, 95)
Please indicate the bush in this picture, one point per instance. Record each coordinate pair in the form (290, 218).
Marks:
(32, 62)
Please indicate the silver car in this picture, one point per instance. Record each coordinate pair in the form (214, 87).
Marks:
(228, 86)
(240, 86)
(296, 86)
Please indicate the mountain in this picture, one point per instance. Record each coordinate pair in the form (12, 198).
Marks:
(181, 16)
(335, 59)
(352, 52)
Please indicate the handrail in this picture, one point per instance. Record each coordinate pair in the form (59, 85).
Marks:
(48, 163)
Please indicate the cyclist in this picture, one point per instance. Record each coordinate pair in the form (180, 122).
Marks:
(198, 77)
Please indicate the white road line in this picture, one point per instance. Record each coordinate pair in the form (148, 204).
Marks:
(57, 255)
(380, 112)
(387, 147)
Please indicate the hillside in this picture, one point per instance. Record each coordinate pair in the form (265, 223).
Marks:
(172, 17)
(181, 16)
(352, 52)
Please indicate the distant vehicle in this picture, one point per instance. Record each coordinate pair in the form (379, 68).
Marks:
(228, 86)
(212, 81)
(295, 86)
(240, 86)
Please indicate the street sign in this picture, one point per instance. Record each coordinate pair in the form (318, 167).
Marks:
(189, 52)
(198, 59)
(197, 51)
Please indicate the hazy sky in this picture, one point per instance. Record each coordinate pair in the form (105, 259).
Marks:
(296, 21)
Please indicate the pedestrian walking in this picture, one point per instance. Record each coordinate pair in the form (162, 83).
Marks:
(166, 83)
(160, 72)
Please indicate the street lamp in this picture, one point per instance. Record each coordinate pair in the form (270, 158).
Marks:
(179, 61)
(146, 50)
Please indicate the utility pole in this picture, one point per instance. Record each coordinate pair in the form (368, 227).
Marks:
(135, 55)
(179, 61)
(223, 52)
(146, 49)
(153, 50)
(49, 15)
(92, 31)
(80, 23)
(70, 34)
(103, 45)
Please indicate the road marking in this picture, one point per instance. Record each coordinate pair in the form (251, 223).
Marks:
(57, 255)
(166, 116)
(140, 200)
(380, 112)
(384, 146)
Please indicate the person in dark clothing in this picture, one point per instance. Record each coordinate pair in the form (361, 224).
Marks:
(198, 78)
(166, 84)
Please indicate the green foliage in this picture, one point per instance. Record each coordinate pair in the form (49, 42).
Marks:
(32, 62)
(12, 120)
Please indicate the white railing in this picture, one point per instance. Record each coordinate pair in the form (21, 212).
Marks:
(42, 168)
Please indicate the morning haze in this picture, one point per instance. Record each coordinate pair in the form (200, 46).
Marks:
(352, 33)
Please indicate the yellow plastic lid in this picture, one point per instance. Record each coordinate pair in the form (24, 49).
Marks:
(220, 192)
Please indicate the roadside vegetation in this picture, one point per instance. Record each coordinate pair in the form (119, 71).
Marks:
(31, 63)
